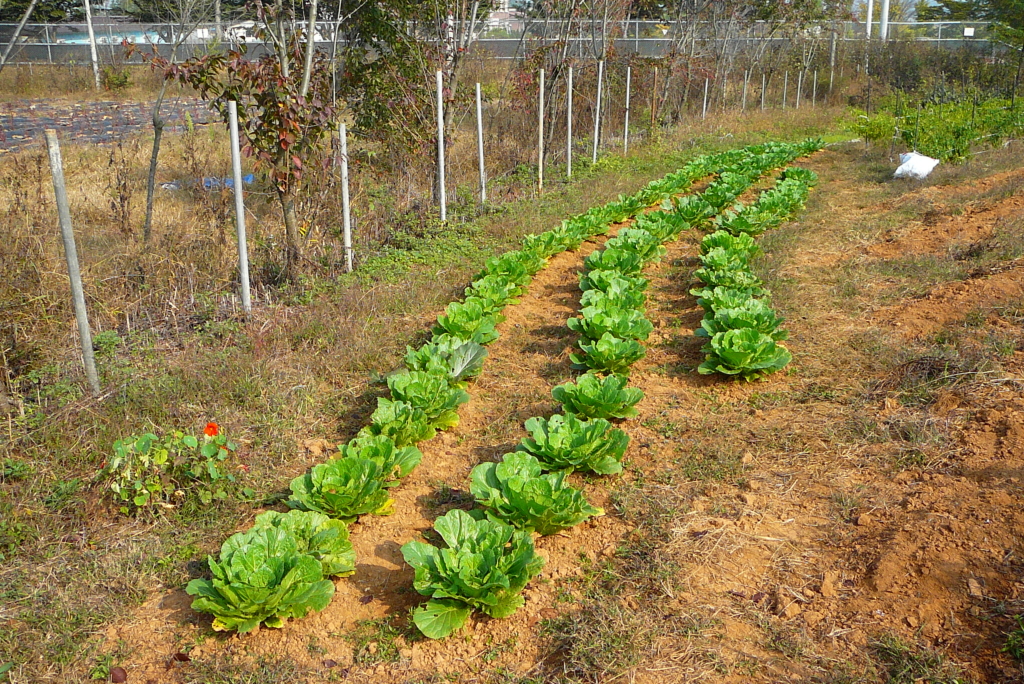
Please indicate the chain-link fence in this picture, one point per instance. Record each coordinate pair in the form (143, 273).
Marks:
(504, 38)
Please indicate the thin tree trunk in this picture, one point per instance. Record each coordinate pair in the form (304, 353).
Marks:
(92, 42)
(307, 70)
(292, 248)
(1016, 79)
(454, 75)
(17, 33)
(604, 32)
(280, 39)
(158, 130)
(566, 37)
(334, 54)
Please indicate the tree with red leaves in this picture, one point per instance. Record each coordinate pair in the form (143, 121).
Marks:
(285, 109)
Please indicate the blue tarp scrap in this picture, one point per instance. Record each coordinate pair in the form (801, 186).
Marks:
(209, 183)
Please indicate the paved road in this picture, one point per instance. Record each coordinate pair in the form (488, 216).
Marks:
(22, 121)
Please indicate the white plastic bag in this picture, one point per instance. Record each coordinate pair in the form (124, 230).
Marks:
(914, 165)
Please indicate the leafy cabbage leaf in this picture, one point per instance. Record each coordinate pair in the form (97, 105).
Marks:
(618, 295)
(343, 488)
(742, 245)
(744, 352)
(394, 462)
(625, 323)
(592, 396)
(316, 535)
(753, 313)
(805, 176)
(610, 354)
(432, 394)
(470, 321)
(624, 261)
(494, 292)
(518, 266)
(568, 441)
(518, 492)
(643, 243)
(664, 225)
(737, 276)
(399, 420)
(726, 297)
(693, 209)
(485, 567)
(603, 280)
(260, 578)
(456, 357)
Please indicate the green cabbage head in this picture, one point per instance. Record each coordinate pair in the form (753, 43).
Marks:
(485, 567)
(261, 578)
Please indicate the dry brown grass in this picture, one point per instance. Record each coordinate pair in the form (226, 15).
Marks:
(73, 83)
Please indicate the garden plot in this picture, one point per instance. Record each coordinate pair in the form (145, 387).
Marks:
(759, 530)
(303, 488)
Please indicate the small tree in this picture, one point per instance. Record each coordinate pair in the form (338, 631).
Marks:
(184, 16)
(285, 113)
(1006, 17)
(1008, 26)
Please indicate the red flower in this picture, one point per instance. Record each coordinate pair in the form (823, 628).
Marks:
(212, 430)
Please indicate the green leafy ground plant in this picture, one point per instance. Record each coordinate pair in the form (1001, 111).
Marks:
(260, 578)
(742, 245)
(485, 567)
(744, 352)
(404, 423)
(620, 294)
(394, 462)
(752, 313)
(605, 279)
(495, 291)
(592, 396)
(459, 359)
(518, 492)
(149, 470)
(316, 535)
(344, 489)
(712, 299)
(431, 393)
(610, 354)
(595, 322)
(469, 321)
(640, 242)
(624, 261)
(570, 442)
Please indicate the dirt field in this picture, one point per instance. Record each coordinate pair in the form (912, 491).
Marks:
(853, 519)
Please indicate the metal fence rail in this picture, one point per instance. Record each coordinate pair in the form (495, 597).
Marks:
(64, 43)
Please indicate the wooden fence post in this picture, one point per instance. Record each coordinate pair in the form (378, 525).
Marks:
(60, 191)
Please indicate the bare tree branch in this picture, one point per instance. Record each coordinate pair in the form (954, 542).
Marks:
(17, 33)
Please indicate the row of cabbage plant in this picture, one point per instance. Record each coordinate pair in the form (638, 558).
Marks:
(490, 555)
(281, 567)
(742, 330)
